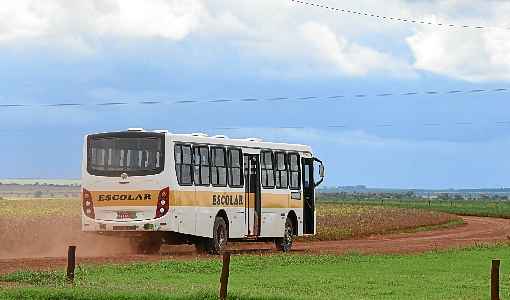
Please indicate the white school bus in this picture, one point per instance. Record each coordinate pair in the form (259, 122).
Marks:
(157, 187)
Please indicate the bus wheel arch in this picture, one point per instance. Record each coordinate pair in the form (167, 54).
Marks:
(223, 214)
(293, 217)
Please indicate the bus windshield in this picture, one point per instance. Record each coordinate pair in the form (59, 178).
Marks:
(133, 153)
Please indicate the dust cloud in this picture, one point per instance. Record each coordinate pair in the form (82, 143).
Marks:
(51, 236)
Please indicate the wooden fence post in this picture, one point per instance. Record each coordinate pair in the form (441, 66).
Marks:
(71, 263)
(224, 275)
(495, 279)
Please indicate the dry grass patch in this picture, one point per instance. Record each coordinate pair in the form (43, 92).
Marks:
(343, 221)
(28, 208)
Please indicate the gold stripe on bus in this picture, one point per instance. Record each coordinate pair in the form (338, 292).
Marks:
(132, 198)
(191, 198)
(275, 200)
(296, 203)
(251, 200)
(207, 199)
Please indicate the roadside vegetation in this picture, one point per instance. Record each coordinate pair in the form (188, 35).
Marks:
(481, 208)
(335, 221)
(454, 274)
(30, 207)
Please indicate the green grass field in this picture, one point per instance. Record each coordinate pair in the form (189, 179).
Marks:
(482, 208)
(460, 274)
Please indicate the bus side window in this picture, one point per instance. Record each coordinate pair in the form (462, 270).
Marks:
(235, 161)
(218, 167)
(183, 164)
(202, 169)
(294, 171)
(267, 170)
(281, 170)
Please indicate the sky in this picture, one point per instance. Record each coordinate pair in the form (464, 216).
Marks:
(398, 118)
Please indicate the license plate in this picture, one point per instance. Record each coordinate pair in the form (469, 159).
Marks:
(126, 215)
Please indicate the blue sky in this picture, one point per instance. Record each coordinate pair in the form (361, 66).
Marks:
(106, 50)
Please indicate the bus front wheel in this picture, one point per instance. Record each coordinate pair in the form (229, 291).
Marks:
(285, 243)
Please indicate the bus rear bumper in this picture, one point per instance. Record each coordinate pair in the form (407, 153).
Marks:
(92, 225)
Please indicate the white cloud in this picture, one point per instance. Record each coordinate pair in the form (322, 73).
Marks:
(349, 57)
(65, 19)
(481, 56)
(468, 54)
(284, 38)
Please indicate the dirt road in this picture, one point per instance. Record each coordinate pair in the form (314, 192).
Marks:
(475, 231)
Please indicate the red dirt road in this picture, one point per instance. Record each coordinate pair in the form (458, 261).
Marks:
(475, 231)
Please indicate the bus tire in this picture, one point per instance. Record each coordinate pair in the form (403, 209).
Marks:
(284, 243)
(220, 236)
(201, 245)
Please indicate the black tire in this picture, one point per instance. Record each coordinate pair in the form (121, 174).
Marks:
(284, 243)
(219, 241)
(201, 245)
(147, 245)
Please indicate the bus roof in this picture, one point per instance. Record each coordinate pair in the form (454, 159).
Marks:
(201, 138)
(240, 142)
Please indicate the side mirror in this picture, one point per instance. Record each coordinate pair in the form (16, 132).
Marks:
(321, 171)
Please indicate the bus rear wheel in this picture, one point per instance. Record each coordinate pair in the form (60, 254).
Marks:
(284, 243)
(202, 245)
(147, 245)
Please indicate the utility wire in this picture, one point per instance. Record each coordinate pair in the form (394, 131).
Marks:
(338, 97)
(373, 125)
(330, 126)
(389, 19)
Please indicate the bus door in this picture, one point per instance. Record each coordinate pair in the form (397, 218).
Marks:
(252, 203)
(308, 196)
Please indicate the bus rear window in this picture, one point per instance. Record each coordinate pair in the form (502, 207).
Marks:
(136, 154)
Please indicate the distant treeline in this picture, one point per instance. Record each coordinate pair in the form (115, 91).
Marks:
(409, 195)
(39, 184)
(14, 190)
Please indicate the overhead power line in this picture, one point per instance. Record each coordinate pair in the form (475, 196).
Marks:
(374, 125)
(338, 97)
(331, 126)
(390, 18)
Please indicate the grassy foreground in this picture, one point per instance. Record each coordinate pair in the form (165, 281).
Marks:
(455, 274)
